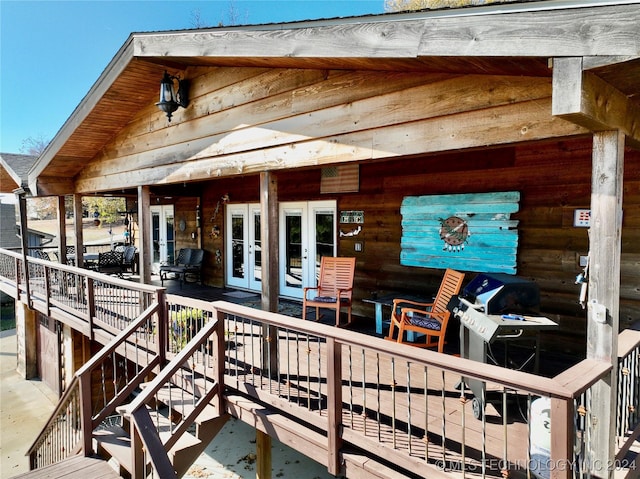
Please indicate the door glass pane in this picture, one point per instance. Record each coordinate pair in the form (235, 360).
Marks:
(170, 238)
(293, 251)
(257, 249)
(237, 246)
(155, 232)
(325, 237)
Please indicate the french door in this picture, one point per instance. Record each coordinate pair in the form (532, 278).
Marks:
(307, 232)
(162, 236)
(244, 263)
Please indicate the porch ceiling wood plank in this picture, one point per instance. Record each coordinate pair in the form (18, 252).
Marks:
(587, 100)
(314, 106)
(125, 87)
(501, 125)
(7, 182)
(445, 96)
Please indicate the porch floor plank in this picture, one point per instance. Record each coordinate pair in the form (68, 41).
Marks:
(76, 467)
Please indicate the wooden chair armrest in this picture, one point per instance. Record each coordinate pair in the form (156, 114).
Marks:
(429, 314)
(398, 301)
(308, 288)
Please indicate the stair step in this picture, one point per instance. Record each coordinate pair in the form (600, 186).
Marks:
(114, 442)
(182, 403)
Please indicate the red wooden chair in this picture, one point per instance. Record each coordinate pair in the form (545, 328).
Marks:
(335, 286)
(429, 319)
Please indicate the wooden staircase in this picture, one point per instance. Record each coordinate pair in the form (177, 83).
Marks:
(164, 424)
(171, 403)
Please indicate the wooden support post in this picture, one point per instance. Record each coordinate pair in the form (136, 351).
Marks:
(86, 413)
(334, 405)
(22, 210)
(163, 326)
(269, 240)
(26, 335)
(263, 455)
(144, 242)
(562, 436)
(269, 252)
(604, 288)
(77, 229)
(62, 231)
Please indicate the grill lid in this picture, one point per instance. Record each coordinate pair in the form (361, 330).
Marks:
(499, 293)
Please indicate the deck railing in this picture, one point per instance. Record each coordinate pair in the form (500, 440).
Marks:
(90, 302)
(405, 406)
(628, 408)
(187, 388)
(101, 385)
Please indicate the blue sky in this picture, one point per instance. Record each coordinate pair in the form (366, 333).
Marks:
(52, 52)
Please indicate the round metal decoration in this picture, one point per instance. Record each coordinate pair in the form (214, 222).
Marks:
(454, 232)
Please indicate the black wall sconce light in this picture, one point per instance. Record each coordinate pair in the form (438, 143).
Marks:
(169, 99)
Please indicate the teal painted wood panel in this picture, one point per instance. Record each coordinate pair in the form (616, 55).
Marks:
(469, 232)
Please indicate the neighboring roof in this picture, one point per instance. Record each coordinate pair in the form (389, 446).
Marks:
(503, 39)
(14, 169)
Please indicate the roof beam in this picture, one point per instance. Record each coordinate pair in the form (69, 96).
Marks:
(589, 31)
(586, 100)
(53, 186)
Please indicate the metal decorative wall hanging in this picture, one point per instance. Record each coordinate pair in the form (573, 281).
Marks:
(469, 232)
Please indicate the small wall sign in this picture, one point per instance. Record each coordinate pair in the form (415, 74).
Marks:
(352, 216)
(582, 218)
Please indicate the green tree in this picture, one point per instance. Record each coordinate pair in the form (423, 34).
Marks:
(108, 208)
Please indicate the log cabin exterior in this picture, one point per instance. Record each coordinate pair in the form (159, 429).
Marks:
(347, 118)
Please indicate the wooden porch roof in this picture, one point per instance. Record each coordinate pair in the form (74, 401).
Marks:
(506, 40)
(14, 170)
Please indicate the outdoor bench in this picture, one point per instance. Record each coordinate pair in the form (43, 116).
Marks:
(188, 263)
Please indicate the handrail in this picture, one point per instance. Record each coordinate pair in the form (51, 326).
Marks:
(464, 367)
(87, 415)
(194, 354)
(70, 394)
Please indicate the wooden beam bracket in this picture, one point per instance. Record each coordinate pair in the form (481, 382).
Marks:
(587, 100)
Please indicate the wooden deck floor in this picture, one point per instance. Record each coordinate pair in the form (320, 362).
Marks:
(76, 467)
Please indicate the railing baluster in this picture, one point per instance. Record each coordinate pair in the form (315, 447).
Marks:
(350, 363)
(409, 407)
(364, 392)
(378, 396)
(425, 438)
(393, 401)
(505, 440)
(444, 421)
(319, 374)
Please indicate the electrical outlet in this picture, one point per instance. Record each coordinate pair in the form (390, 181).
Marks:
(357, 247)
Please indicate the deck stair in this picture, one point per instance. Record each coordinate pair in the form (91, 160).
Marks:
(169, 405)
